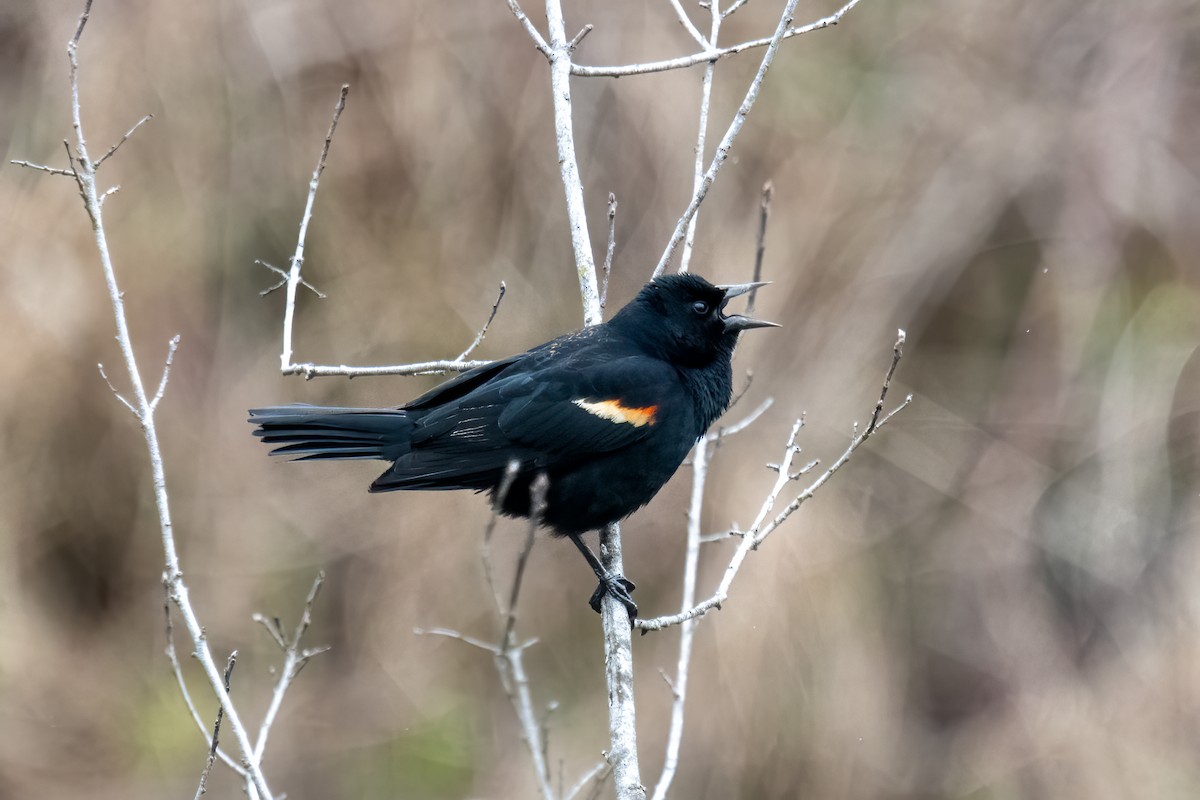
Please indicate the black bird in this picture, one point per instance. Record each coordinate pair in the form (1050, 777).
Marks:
(607, 413)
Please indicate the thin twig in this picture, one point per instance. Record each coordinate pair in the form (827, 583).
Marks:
(212, 750)
(731, 133)
(172, 346)
(584, 31)
(124, 138)
(538, 41)
(483, 331)
(294, 660)
(612, 246)
(742, 424)
(289, 310)
(43, 168)
(109, 192)
(692, 30)
(284, 280)
(597, 773)
(117, 394)
(537, 507)
(177, 669)
(706, 56)
(760, 245)
(729, 11)
(897, 353)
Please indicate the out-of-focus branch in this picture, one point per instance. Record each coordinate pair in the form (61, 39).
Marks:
(731, 133)
(83, 169)
(294, 659)
(753, 537)
(706, 56)
(760, 248)
(202, 787)
(177, 669)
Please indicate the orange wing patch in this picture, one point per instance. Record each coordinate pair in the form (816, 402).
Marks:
(613, 411)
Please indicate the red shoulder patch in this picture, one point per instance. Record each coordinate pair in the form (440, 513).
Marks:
(614, 411)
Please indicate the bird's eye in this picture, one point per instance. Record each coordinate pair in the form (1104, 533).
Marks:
(700, 307)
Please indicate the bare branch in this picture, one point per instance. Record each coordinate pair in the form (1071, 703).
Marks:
(538, 41)
(42, 167)
(311, 371)
(760, 248)
(897, 353)
(691, 567)
(453, 634)
(117, 394)
(108, 193)
(283, 282)
(289, 311)
(483, 331)
(124, 138)
(742, 424)
(177, 668)
(729, 11)
(568, 164)
(172, 346)
(753, 538)
(706, 56)
(687, 24)
(598, 773)
(727, 141)
(537, 506)
(702, 130)
(612, 246)
(584, 31)
(294, 660)
(618, 664)
(212, 750)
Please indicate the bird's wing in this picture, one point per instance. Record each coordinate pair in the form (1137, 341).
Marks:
(462, 385)
(544, 417)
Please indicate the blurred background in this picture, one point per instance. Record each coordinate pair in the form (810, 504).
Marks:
(996, 599)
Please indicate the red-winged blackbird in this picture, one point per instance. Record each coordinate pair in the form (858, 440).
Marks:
(607, 413)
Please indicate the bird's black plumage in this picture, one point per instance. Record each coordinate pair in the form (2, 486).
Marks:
(607, 413)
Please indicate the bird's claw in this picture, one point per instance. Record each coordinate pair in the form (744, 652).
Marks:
(619, 587)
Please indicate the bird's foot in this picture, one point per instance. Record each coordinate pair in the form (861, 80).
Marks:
(619, 587)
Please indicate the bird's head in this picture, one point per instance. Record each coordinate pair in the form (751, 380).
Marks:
(682, 318)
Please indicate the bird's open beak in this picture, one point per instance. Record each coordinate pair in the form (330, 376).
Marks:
(738, 289)
(737, 322)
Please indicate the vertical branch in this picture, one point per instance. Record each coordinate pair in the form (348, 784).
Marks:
(691, 568)
(705, 100)
(618, 661)
(564, 134)
(293, 279)
(85, 176)
(618, 644)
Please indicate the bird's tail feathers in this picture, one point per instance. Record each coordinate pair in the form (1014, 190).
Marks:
(320, 432)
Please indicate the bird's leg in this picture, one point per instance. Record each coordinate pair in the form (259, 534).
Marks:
(612, 583)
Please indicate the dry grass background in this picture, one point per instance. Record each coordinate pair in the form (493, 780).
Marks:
(997, 599)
